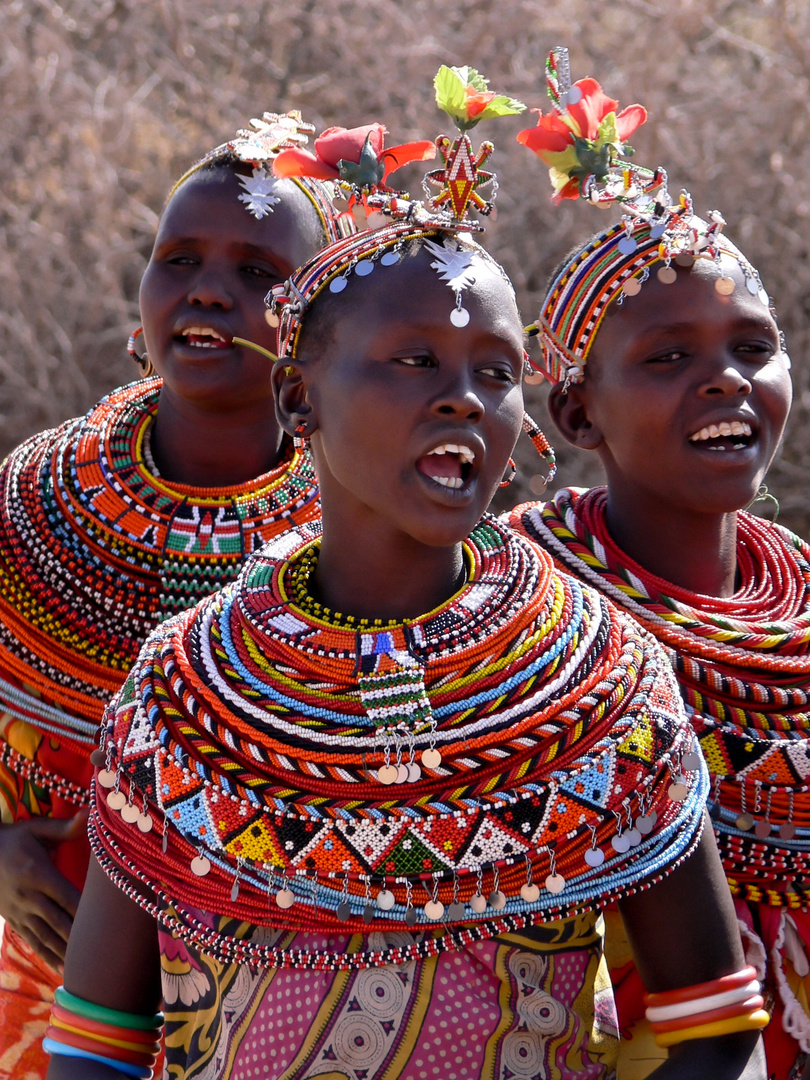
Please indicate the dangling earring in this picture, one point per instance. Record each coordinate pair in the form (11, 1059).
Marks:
(542, 446)
(300, 438)
(143, 361)
(509, 476)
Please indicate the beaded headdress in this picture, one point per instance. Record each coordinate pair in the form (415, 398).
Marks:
(258, 146)
(583, 141)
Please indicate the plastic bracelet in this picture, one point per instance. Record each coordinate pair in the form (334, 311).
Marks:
(57, 1049)
(699, 990)
(144, 1049)
(65, 1018)
(92, 1046)
(92, 1011)
(703, 1004)
(751, 1022)
(743, 1008)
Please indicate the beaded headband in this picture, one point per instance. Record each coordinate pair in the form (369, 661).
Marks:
(258, 146)
(582, 140)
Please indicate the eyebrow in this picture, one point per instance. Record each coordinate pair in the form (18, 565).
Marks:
(763, 323)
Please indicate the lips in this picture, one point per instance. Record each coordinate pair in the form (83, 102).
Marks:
(724, 435)
(203, 337)
(448, 464)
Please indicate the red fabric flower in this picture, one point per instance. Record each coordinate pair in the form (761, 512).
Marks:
(346, 144)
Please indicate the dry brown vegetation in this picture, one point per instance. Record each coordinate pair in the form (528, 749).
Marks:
(105, 101)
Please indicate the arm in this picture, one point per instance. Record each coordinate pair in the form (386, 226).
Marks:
(683, 931)
(112, 959)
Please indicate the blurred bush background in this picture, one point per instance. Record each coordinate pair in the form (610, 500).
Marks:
(105, 103)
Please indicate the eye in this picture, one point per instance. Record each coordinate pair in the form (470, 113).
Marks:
(502, 374)
(182, 260)
(758, 351)
(263, 273)
(666, 356)
(417, 360)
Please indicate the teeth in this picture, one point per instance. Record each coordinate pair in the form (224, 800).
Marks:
(464, 452)
(448, 481)
(714, 431)
(203, 331)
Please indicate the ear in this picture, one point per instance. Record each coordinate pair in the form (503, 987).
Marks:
(292, 404)
(569, 411)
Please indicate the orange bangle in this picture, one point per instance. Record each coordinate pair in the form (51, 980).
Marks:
(742, 1008)
(689, 993)
(98, 1027)
(93, 1046)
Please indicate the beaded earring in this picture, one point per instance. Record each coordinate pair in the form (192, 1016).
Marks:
(510, 475)
(300, 438)
(142, 360)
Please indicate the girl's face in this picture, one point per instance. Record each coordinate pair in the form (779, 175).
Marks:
(686, 393)
(205, 284)
(412, 418)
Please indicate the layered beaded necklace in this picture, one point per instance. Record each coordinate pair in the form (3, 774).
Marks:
(516, 754)
(95, 549)
(743, 664)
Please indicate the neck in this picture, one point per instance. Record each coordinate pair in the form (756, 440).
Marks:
(375, 572)
(203, 448)
(695, 551)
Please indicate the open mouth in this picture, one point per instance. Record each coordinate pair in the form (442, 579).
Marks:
(449, 465)
(736, 435)
(203, 337)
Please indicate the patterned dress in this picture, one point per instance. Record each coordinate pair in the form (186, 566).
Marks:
(743, 666)
(95, 548)
(380, 851)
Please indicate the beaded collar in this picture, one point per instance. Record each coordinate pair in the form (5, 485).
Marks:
(95, 549)
(743, 664)
(514, 755)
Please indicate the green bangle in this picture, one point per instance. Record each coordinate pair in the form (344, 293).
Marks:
(91, 1011)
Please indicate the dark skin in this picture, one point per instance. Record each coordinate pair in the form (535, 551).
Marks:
(394, 381)
(212, 264)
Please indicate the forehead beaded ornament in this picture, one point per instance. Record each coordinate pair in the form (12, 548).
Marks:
(583, 141)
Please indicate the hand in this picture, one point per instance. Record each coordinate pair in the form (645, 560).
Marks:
(36, 900)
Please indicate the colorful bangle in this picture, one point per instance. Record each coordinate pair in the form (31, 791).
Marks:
(750, 1005)
(701, 990)
(660, 1013)
(62, 1016)
(91, 1011)
(144, 1049)
(59, 1049)
(80, 1041)
(750, 1022)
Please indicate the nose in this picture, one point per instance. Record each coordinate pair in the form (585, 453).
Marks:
(209, 289)
(459, 399)
(725, 379)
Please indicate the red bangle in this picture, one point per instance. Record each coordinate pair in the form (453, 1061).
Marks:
(750, 1005)
(106, 1031)
(93, 1046)
(689, 993)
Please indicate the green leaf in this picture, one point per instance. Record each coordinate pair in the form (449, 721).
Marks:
(607, 131)
(470, 77)
(450, 92)
(502, 106)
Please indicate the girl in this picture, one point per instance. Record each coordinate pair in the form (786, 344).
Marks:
(380, 786)
(148, 502)
(668, 362)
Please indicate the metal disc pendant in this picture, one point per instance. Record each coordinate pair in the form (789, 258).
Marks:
(633, 837)
(456, 911)
(497, 899)
(106, 778)
(620, 844)
(234, 890)
(530, 893)
(165, 841)
(145, 823)
(762, 830)
(725, 286)
(271, 318)
(667, 275)
(344, 911)
(787, 831)
(627, 245)
(385, 899)
(389, 258)
(98, 759)
(478, 902)
(130, 813)
(402, 774)
(200, 865)
(573, 96)
(646, 823)
(594, 857)
(764, 298)
(631, 287)
(368, 913)
(364, 267)
(658, 230)
(684, 259)
(388, 774)
(678, 791)
(431, 758)
(752, 285)
(410, 916)
(414, 773)
(116, 800)
(691, 761)
(285, 898)
(745, 822)
(459, 316)
(555, 883)
(337, 284)
(434, 909)
(377, 220)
